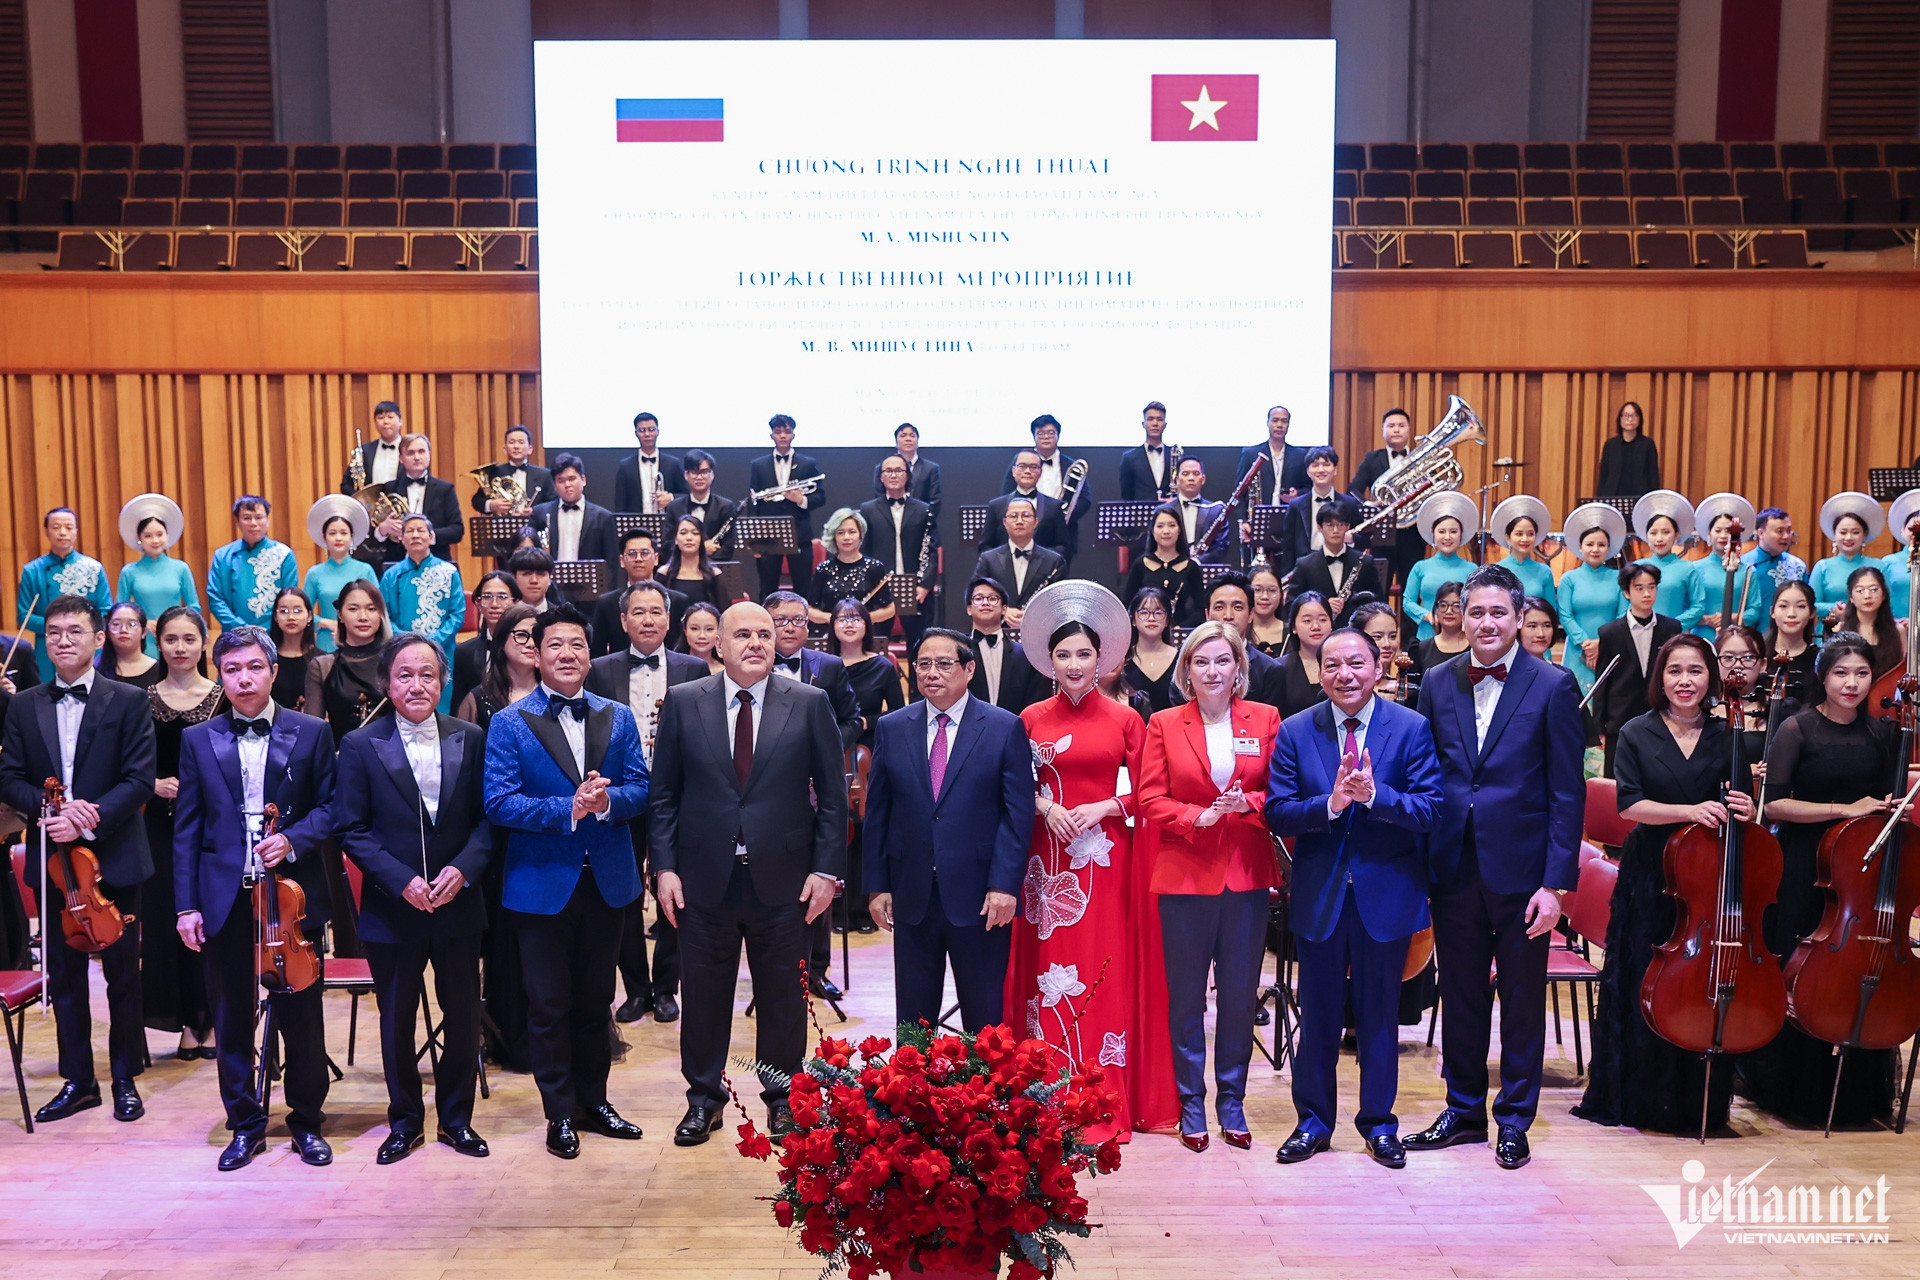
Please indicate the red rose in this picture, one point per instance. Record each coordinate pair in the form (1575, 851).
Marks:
(953, 1204)
(976, 1254)
(874, 1046)
(1028, 1216)
(783, 1212)
(1107, 1157)
(753, 1144)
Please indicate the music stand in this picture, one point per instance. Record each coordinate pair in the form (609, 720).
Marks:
(973, 522)
(1211, 573)
(733, 579)
(905, 589)
(767, 535)
(1887, 483)
(1118, 523)
(580, 580)
(1381, 535)
(1264, 517)
(494, 535)
(1623, 505)
(654, 522)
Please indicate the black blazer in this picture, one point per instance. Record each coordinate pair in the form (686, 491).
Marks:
(916, 527)
(367, 448)
(598, 540)
(923, 482)
(469, 666)
(1051, 531)
(1220, 551)
(113, 767)
(824, 671)
(1136, 475)
(1296, 527)
(719, 511)
(383, 826)
(760, 476)
(1064, 461)
(1628, 468)
(1310, 573)
(1371, 468)
(441, 505)
(609, 633)
(791, 813)
(626, 481)
(1020, 685)
(1293, 474)
(610, 676)
(1624, 695)
(1044, 567)
(20, 663)
(538, 482)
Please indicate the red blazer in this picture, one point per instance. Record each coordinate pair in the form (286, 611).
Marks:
(1176, 786)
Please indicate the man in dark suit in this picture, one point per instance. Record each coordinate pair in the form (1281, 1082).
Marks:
(923, 474)
(535, 481)
(1336, 568)
(649, 479)
(576, 529)
(1300, 522)
(1354, 782)
(638, 677)
(418, 489)
(96, 736)
(231, 767)
(380, 456)
(1634, 640)
(902, 535)
(638, 560)
(1230, 600)
(784, 469)
(1196, 515)
(408, 809)
(1020, 563)
(1147, 472)
(1509, 734)
(1396, 429)
(1050, 527)
(1051, 480)
(1002, 676)
(18, 666)
(748, 832)
(1285, 474)
(714, 512)
(949, 819)
(565, 774)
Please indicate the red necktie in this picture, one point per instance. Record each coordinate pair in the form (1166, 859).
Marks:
(743, 736)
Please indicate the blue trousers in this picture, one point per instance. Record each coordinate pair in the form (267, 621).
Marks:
(921, 953)
(1226, 933)
(1349, 953)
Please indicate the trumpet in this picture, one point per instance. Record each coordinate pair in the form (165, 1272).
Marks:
(806, 486)
(502, 489)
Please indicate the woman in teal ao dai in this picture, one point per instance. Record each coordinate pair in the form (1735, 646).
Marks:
(1716, 515)
(1590, 594)
(1850, 521)
(337, 524)
(1446, 521)
(1664, 521)
(1517, 525)
(151, 524)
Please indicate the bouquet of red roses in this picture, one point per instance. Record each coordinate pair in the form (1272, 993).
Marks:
(948, 1153)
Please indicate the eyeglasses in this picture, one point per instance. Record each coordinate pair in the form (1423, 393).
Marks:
(494, 597)
(985, 598)
(524, 637)
(927, 666)
(1454, 607)
(288, 610)
(1149, 615)
(790, 624)
(1739, 660)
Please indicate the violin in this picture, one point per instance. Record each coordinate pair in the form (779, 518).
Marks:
(88, 919)
(1885, 696)
(1714, 987)
(283, 957)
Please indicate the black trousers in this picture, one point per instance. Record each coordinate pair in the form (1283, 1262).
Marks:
(67, 982)
(399, 978)
(799, 567)
(921, 953)
(568, 960)
(776, 942)
(233, 986)
(662, 977)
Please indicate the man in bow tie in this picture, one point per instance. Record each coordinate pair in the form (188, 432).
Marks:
(1146, 473)
(1046, 477)
(650, 479)
(1632, 641)
(1396, 430)
(96, 737)
(902, 535)
(1020, 563)
(1002, 676)
(715, 513)
(380, 456)
(1196, 515)
(923, 473)
(419, 492)
(574, 528)
(1504, 851)
(785, 470)
(535, 481)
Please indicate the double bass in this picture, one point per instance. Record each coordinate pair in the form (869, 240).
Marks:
(1713, 987)
(89, 921)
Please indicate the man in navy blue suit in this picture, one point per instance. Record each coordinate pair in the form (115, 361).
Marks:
(949, 818)
(231, 767)
(565, 775)
(1510, 738)
(1354, 781)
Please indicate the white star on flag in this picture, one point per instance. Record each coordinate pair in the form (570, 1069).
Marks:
(1205, 110)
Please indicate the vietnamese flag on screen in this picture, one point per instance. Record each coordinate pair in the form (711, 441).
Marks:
(668, 119)
(1206, 108)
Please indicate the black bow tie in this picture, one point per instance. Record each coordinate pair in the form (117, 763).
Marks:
(78, 692)
(896, 502)
(576, 705)
(1018, 554)
(258, 728)
(989, 639)
(792, 664)
(651, 660)
(1047, 462)
(386, 447)
(569, 506)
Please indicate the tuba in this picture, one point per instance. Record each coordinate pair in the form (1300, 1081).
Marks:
(1431, 468)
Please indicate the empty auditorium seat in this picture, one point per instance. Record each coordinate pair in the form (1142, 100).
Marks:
(15, 155)
(205, 156)
(1546, 184)
(1342, 213)
(1780, 249)
(1753, 155)
(159, 184)
(368, 155)
(1599, 155)
(315, 155)
(1662, 250)
(206, 213)
(1444, 155)
(427, 213)
(507, 253)
(1903, 155)
(1547, 213)
(1713, 250)
(499, 213)
(1703, 155)
(1606, 250)
(1870, 195)
(372, 185)
(1763, 192)
(523, 186)
(1390, 184)
(1658, 182)
(1487, 250)
(1536, 250)
(1367, 213)
(1493, 185)
(379, 253)
(1714, 212)
(1393, 155)
(260, 253)
(519, 157)
(319, 213)
(1496, 155)
(526, 213)
(259, 156)
(1346, 155)
(82, 251)
(1854, 155)
(323, 253)
(56, 155)
(109, 155)
(436, 253)
(1609, 183)
(148, 213)
(1345, 185)
(1493, 213)
(419, 155)
(202, 251)
(492, 185)
(1437, 213)
(319, 185)
(46, 198)
(467, 157)
(9, 191)
(1605, 213)
(1803, 155)
(1650, 155)
(1360, 251)
(1440, 184)
(1429, 251)
(152, 251)
(373, 213)
(260, 213)
(276, 185)
(113, 184)
(162, 155)
(1660, 213)
(1706, 182)
(426, 185)
(1548, 155)
(213, 184)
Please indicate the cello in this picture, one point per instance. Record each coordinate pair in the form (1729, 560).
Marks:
(1713, 987)
(89, 921)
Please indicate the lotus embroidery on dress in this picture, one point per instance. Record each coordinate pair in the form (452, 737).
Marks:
(1113, 1049)
(78, 577)
(1060, 981)
(1045, 753)
(1034, 1031)
(1089, 846)
(1052, 901)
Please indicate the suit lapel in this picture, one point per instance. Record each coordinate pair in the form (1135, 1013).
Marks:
(92, 712)
(711, 710)
(1463, 711)
(1519, 680)
(279, 751)
(773, 718)
(1379, 731)
(919, 714)
(50, 728)
(226, 751)
(452, 756)
(964, 739)
(547, 731)
(1195, 733)
(599, 735)
(393, 754)
(1326, 740)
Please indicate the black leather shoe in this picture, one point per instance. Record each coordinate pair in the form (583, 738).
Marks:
(1301, 1145)
(208, 1052)
(562, 1140)
(126, 1101)
(866, 926)
(607, 1122)
(399, 1145)
(695, 1126)
(1510, 1149)
(241, 1151)
(313, 1149)
(70, 1101)
(1450, 1130)
(1262, 1016)
(463, 1139)
(779, 1121)
(635, 1008)
(666, 1009)
(824, 988)
(1387, 1149)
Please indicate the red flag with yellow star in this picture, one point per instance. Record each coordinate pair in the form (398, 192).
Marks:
(1206, 108)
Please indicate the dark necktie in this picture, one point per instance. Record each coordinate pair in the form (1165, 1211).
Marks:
(743, 737)
(937, 757)
(576, 705)
(1351, 750)
(651, 660)
(1477, 674)
(78, 692)
(258, 728)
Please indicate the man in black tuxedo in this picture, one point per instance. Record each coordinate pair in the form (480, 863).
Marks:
(1002, 676)
(649, 479)
(96, 736)
(576, 529)
(784, 469)
(1050, 529)
(1300, 525)
(380, 456)
(1337, 567)
(1396, 429)
(748, 831)
(1230, 600)
(1197, 515)
(638, 559)
(639, 677)
(532, 570)
(1021, 564)
(535, 481)
(1145, 472)
(1284, 475)
(923, 474)
(1634, 640)
(902, 535)
(714, 512)
(409, 810)
(418, 489)
(1050, 480)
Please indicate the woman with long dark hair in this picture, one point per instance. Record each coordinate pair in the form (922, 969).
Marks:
(343, 687)
(1167, 566)
(513, 669)
(1150, 659)
(293, 636)
(1266, 629)
(124, 657)
(492, 595)
(1309, 623)
(688, 570)
(1866, 614)
(873, 675)
(1629, 460)
(700, 634)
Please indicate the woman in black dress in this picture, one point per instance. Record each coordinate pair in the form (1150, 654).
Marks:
(873, 675)
(1629, 460)
(1449, 638)
(343, 687)
(1670, 767)
(1166, 566)
(293, 633)
(1309, 623)
(1866, 613)
(688, 570)
(1790, 626)
(849, 574)
(1267, 631)
(124, 657)
(1149, 665)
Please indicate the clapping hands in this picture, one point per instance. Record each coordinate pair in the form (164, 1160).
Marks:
(1232, 800)
(1354, 782)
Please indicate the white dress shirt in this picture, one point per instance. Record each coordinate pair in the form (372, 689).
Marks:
(416, 494)
(782, 468)
(646, 686)
(1020, 565)
(566, 533)
(1051, 480)
(898, 507)
(953, 714)
(422, 743)
(386, 462)
(253, 769)
(1316, 541)
(1156, 463)
(1190, 517)
(649, 468)
(1486, 695)
(1642, 633)
(759, 692)
(67, 714)
(574, 729)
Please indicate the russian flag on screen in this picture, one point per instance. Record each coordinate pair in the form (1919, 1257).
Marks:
(668, 119)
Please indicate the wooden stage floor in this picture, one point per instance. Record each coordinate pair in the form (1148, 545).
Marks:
(89, 1197)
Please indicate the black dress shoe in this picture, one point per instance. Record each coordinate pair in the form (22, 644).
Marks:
(1302, 1144)
(126, 1101)
(1387, 1149)
(399, 1145)
(666, 1009)
(562, 1140)
(1510, 1149)
(463, 1139)
(1262, 1016)
(1450, 1130)
(695, 1126)
(824, 988)
(607, 1122)
(866, 926)
(241, 1151)
(208, 1052)
(313, 1149)
(634, 1009)
(70, 1101)
(779, 1121)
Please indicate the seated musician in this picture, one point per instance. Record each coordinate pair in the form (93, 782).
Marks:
(1050, 527)
(535, 481)
(640, 559)
(532, 570)
(715, 513)
(574, 528)
(1340, 572)
(1300, 524)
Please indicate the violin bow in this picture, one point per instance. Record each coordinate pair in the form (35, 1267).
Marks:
(19, 635)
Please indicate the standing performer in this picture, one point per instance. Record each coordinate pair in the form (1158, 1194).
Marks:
(1664, 521)
(650, 479)
(535, 482)
(1285, 475)
(343, 687)
(1020, 563)
(425, 592)
(151, 524)
(337, 525)
(1716, 515)
(1396, 434)
(95, 737)
(1508, 730)
(419, 491)
(639, 562)
(1633, 639)
(1197, 515)
(1772, 559)
(573, 528)
(1300, 523)
(408, 810)
(1338, 571)
(785, 470)
(1002, 675)
(63, 571)
(902, 535)
(1850, 521)
(1590, 595)
(1145, 473)
(923, 473)
(1446, 520)
(231, 768)
(1050, 526)
(715, 513)
(1051, 481)
(380, 456)
(249, 572)
(1518, 524)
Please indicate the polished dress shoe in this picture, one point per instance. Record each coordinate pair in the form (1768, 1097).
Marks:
(241, 1151)
(208, 1052)
(696, 1125)
(1262, 1016)
(779, 1120)
(463, 1139)
(1302, 1144)
(1387, 1149)
(634, 1009)
(607, 1122)
(666, 1009)
(562, 1140)
(1195, 1142)
(70, 1101)
(1450, 1130)
(824, 988)
(399, 1145)
(313, 1149)
(1240, 1138)
(866, 926)
(1510, 1149)
(126, 1101)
